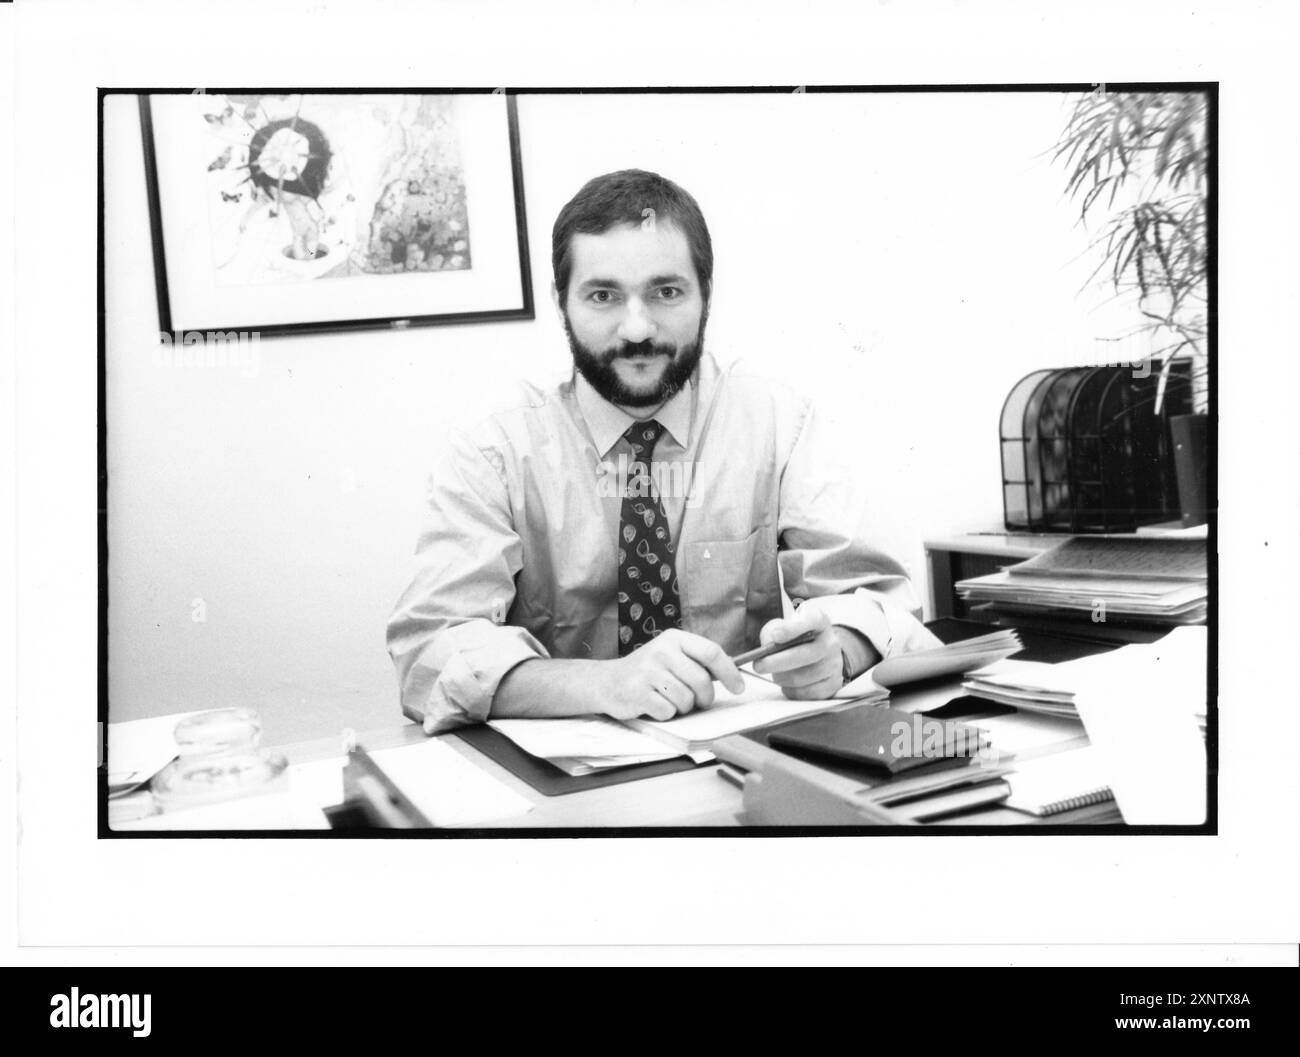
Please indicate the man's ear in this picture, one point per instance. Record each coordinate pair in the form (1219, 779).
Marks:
(555, 300)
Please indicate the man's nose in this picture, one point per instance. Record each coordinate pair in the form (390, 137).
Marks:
(636, 325)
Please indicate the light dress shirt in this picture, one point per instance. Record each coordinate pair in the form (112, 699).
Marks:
(518, 556)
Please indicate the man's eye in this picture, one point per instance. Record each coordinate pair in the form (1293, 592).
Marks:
(669, 293)
(602, 297)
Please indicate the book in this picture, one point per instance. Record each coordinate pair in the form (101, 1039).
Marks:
(955, 802)
(875, 784)
(882, 740)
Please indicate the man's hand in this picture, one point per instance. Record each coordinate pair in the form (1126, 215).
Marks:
(668, 676)
(809, 672)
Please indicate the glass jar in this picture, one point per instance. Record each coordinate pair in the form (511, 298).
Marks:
(220, 759)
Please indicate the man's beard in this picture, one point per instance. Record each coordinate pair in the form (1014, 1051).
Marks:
(598, 368)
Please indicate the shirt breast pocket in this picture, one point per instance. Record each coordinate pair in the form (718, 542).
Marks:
(728, 574)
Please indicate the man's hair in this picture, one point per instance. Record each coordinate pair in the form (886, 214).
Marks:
(627, 197)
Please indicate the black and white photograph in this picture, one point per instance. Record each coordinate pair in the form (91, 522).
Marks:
(678, 564)
(784, 480)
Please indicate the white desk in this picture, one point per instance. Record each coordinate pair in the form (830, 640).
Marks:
(687, 799)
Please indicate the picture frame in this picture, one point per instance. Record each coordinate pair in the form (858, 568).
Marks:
(277, 212)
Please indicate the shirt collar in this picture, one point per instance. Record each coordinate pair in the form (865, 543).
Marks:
(608, 422)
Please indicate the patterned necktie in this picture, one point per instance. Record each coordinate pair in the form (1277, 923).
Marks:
(647, 570)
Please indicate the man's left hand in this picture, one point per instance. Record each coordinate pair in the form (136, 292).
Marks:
(809, 672)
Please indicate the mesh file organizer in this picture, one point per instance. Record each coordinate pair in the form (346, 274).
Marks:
(1084, 450)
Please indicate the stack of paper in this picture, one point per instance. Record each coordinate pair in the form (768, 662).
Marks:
(1145, 720)
(1143, 707)
(1159, 580)
(1028, 685)
(1177, 660)
(1160, 601)
(1180, 661)
(584, 744)
(267, 811)
(761, 704)
(140, 748)
(1024, 735)
(952, 659)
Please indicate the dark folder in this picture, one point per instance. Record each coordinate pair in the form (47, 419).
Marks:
(548, 779)
(882, 741)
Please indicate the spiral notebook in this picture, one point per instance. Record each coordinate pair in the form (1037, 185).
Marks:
(1060, 782)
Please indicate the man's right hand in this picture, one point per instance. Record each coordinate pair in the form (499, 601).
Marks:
(666, 677)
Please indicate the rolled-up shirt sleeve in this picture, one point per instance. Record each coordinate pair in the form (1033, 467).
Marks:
(827, 559)
(447, 636)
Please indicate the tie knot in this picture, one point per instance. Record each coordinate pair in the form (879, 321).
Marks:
(643, 436)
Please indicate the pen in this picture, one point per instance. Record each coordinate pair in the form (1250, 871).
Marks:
(771, 648)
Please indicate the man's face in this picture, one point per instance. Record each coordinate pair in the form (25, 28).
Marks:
(635, 313)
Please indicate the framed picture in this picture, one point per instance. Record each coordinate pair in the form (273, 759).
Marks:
(284, 212)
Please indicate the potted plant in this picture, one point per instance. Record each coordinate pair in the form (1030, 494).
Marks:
(1144, 155)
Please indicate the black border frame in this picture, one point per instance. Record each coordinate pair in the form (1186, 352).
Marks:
(166, 324)
(1208, 828)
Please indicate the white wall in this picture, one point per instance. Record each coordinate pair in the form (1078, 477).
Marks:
(902, 258)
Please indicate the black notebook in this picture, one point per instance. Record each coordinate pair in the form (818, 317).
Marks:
(884, 741)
